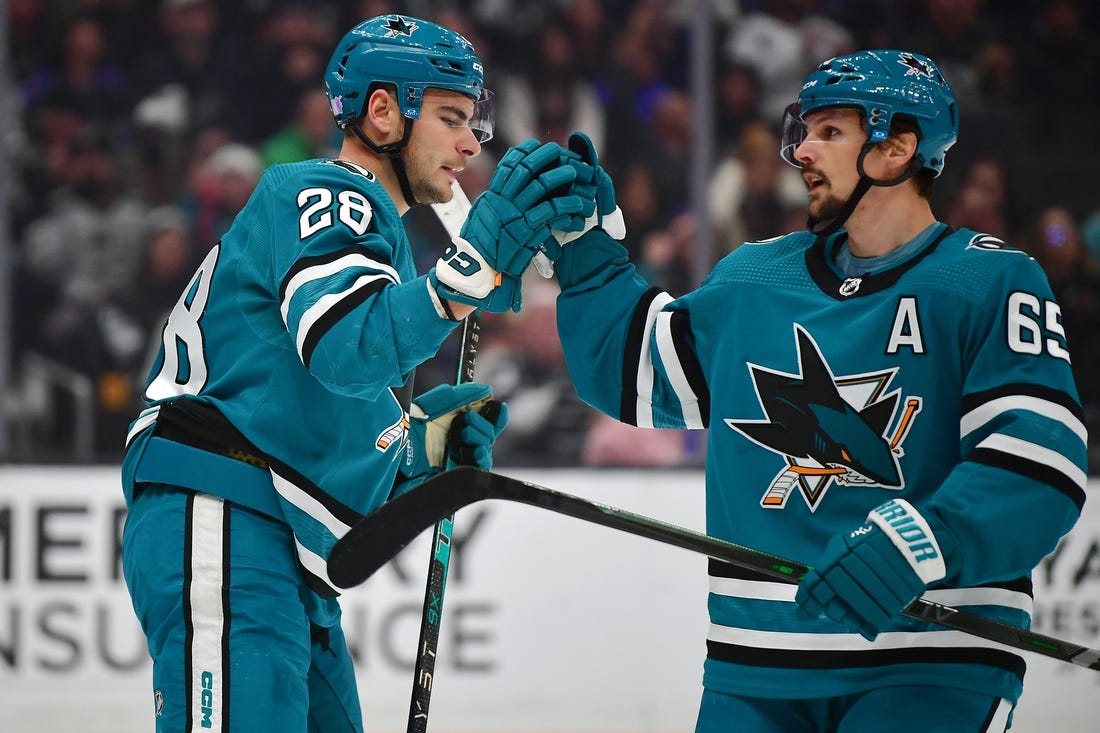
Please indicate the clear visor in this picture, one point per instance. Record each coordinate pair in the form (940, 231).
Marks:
(481, 121)
(794, 132)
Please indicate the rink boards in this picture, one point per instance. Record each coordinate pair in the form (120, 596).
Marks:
(550, 624)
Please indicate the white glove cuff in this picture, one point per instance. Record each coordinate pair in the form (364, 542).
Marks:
(613, 224)
(475, 278)
(441, 308)
(910, 533)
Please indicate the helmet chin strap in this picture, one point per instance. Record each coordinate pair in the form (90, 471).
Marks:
(393, 152)
(831, 226)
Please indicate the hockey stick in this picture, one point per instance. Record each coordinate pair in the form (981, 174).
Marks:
(451, 215)
(372, 542)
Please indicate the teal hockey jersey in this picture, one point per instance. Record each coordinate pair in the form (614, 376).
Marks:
(944, 379)
(279, 382)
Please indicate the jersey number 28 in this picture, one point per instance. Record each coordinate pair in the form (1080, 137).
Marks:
(183, 368)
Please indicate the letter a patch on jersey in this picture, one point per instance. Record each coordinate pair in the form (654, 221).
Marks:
(828, 429)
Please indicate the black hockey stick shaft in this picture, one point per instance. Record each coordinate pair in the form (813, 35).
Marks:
(451, 215)
(438, 565)
(382, 534)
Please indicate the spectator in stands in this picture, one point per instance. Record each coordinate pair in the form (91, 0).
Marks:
(639, 72)
(195, 68)
(549, 97)
(737, 103)
(983, 201)
(203, 73)
(292, 49)
(169, 257)
(953, 32)
(79, 257)
(640, 200)
(525, 365)
(1074, 274)
(85, 247)
(308, 135)
(752, 193)
(782, 43)
(79, 74)
(609, 443)
(220, 185)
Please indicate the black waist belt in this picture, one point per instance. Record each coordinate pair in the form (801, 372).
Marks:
(202, 426)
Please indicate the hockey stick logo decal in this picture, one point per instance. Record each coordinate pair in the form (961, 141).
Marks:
(828, 429)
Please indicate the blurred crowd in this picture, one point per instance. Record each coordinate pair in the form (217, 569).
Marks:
(138, 128)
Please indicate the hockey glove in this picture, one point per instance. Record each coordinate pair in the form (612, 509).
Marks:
(592, 182)
(590, 258)
(867, 576)
(508, 224)
(451, 425)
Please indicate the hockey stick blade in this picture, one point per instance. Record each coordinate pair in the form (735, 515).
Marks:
(379, 536)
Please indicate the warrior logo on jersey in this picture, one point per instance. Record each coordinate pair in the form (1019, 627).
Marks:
(828, 429)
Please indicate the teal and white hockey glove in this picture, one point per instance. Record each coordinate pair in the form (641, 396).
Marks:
(528, 195)
(451, 425)
(867, 576)
(592, 182)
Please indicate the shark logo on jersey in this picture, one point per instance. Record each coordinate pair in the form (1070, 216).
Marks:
(828, 429)
(398, 432)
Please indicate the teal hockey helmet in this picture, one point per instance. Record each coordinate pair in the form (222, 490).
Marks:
(412, 55)
(881, 84)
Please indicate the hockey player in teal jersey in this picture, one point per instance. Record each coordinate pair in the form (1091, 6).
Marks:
(279, 409)
(887, 398)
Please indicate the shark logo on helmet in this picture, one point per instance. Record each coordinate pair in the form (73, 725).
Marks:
(398, 26)
(915, 66)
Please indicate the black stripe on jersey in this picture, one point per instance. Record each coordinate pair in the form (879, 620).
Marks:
(823, 250)
(680, 326)
(307, 262)
(719, 569)
(332, 316)
(1030, 469)
(636, 340)
(341, 511)
(1023, 389)
(814, 659)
